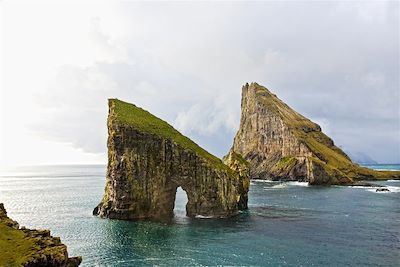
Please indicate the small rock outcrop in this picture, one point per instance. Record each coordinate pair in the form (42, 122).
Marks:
(148, 160)
(382, 190)
(281, 144)
(31, 248)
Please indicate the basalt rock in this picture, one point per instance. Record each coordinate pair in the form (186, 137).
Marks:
(382, 190)
(31, 248)
(148, 160)
(281, 144)
(241, 166)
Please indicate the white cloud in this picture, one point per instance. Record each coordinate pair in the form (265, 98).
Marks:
(186, 63)
(207, 117)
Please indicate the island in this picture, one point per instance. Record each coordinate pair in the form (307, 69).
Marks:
(148, 160)
(281, 144)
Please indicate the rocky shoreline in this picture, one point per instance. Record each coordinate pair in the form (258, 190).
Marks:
(20, 246)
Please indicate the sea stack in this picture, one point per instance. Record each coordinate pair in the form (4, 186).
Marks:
(148, 160)
(281, 144)
(34, 248)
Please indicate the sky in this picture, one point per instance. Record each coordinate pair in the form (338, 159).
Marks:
(338, 63)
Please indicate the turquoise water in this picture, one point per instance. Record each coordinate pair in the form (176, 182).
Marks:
(382, 166)
(287, 224)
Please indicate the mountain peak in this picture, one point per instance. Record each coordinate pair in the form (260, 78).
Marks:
(280, 143)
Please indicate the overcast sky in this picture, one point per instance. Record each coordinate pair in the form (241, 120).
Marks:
(335, 62)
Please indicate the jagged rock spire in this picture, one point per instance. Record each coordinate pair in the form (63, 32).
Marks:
(282, 144)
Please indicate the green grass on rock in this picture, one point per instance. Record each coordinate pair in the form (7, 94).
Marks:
(144, 121)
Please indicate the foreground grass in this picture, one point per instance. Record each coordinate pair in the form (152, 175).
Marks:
(26, 247)
(15, 247)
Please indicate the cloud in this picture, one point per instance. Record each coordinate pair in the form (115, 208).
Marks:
(207, 117)
(335, 62)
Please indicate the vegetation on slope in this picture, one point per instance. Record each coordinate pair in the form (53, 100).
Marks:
(284, 164)
(15, 247)
(144, 121)
(19, 247)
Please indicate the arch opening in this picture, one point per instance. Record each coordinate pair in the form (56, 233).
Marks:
(181, 200)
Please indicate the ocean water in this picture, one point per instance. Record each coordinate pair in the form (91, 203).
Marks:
(287, 224)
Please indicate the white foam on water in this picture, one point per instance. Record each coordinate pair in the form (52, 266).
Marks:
(279, 186)
(203, 217)
(393, 181)
(262, 181)
(296, 183)
(283, 185)
(392, 189)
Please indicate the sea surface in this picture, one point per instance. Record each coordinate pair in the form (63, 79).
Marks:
(287, 224)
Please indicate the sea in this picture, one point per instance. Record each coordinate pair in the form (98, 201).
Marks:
(287, 223)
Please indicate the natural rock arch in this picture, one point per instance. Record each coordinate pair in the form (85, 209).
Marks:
(148, 160)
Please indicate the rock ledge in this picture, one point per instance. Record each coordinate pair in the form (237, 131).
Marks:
(33, 248)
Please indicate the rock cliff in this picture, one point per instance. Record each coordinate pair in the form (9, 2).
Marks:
(148, 160)
(281, 144)
(33, 248)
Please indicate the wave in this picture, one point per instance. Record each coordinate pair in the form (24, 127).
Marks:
(392, 189)
(279, 186)
(296, 183)
(283, 185)
(263, 181)
(203, 217)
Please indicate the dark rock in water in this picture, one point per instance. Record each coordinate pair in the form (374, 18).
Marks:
(33, 248)
(281, 144)
(382, 190)
(148, 160)
(96, 211)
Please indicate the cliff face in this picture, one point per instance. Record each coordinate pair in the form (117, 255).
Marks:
(281, 144)
(242, 168)
(25, 247)
(148, 160)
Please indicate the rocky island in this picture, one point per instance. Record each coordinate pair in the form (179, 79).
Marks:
(33, 248)
(281, 144)
(148, 160)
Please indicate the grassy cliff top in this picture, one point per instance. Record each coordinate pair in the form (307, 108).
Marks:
(19, 247)
(292, 118)
(144, 121)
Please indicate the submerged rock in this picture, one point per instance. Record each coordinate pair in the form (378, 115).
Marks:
(148, 160)
(26, 247)
(281, 144)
